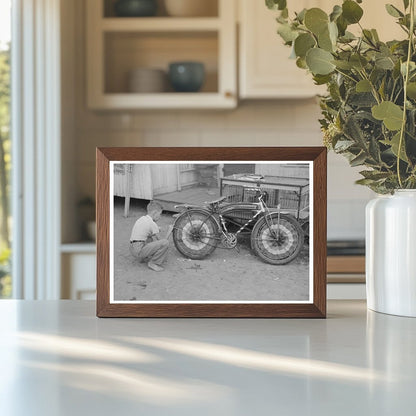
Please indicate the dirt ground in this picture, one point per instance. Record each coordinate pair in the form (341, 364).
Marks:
(226, 275)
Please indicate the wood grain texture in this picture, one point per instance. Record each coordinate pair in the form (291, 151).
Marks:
(317, 309)
(346, 264)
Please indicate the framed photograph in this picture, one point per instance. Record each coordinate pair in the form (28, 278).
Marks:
(211, 232)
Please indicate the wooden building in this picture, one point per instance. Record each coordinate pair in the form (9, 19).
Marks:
(172, 183)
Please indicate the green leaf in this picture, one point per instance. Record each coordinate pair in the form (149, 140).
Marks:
(412, 67)
(363, 86)
(319, 61)
(382, 89)
(394, 145)
(393, 11)
(353, 131)
(351, 11)
(316, 20)
(377, 75)
(333, 32)
(301, 63)
(411, 90)
(358, 61)
(365, 182)
(374, 150)
(342, 25)
(336, 12)
(375, 35)
(321, 79)
(301, 15)
(287, 33)
(325, 42)
(388, 112)
(368, 36)
(343, 145)
(303, 43)
(276, 4)
(406, 4)
(347, 37)
(344, 65)
(374, 174)
(362, 99)
(358, 160)
(384, 62)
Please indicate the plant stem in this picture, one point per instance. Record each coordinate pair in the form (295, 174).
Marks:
(373, 88)
(405, 81)
(346, 75)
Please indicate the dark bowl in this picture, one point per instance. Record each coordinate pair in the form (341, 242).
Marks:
(186, 76)
(135, 8)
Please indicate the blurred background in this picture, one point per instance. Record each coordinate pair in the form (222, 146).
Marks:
(97, 73)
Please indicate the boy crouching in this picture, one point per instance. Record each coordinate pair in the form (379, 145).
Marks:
(145, 241)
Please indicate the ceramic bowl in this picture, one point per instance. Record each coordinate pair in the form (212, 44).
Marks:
(186, 76)
(135, 8)
(147, 80)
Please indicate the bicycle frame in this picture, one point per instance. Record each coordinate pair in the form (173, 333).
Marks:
(216, 210)
(209, 225)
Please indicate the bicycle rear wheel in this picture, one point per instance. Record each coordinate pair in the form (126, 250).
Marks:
(277, 243)
(195, 234)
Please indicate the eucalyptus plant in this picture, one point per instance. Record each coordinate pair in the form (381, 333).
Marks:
(369, 111)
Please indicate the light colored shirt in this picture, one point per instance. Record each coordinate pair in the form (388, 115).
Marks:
(144, 228)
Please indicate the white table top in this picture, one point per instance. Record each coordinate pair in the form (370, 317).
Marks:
(57, 358)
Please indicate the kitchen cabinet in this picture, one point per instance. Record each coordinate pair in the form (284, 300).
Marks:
(265, 70)
(118, 45)
(78, 262)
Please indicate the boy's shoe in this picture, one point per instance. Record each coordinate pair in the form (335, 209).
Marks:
(155, 267)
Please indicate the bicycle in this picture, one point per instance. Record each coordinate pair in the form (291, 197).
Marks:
(276, 236)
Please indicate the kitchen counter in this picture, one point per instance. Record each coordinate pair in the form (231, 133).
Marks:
(57, 358)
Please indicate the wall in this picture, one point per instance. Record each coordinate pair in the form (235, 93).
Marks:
(253, 123)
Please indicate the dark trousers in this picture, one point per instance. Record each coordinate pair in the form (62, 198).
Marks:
(154, 252)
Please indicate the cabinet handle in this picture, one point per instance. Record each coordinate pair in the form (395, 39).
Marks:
(229, 94)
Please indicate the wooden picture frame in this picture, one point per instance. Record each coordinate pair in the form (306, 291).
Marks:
(313, 305)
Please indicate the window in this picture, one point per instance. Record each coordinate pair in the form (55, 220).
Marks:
(5, 147)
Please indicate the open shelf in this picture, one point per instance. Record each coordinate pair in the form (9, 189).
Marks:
(126, 51)
(116, 46)
(160, 24)
(210, 9)
(80, 247)
(157, 101)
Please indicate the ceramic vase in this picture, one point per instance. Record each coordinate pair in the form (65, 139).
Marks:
(391, 253)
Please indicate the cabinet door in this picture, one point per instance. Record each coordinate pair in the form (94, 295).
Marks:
(265, 68)
(78, 276)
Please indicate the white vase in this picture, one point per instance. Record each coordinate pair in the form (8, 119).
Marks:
(391, 253)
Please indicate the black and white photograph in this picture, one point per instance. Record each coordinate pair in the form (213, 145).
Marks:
(210, 232)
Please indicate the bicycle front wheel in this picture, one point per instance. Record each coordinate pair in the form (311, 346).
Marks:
(195, 234)
(277, 242)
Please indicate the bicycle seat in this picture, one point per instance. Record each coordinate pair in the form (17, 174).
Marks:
(216, 201)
